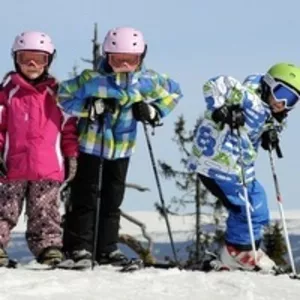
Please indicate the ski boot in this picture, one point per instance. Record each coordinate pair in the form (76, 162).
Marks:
(79, 260)
(115, 258)
(4, 259)
(237, 259)
(78, 255)
(50, 256)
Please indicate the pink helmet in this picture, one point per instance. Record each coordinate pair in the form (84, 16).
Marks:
(33, 40)
(124, 40)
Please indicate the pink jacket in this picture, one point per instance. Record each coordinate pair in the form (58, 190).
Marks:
(35, 135)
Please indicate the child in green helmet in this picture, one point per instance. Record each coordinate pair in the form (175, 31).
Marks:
(239, 118)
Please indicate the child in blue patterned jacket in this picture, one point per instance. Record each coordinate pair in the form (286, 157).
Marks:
(238, 119)
(114, 98)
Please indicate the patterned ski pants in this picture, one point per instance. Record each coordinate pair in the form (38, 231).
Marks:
(42, 210)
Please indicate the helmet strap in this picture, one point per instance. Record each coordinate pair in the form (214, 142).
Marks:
(265, 91)
(106, 66)
(144, 53)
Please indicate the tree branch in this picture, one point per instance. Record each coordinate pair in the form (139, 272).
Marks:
(137, 187)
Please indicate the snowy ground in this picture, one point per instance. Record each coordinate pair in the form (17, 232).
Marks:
(105, 283)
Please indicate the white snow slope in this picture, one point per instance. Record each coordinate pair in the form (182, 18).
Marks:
(105, 283)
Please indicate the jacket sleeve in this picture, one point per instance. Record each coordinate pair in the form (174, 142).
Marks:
(72, 93)
(223, 90)
(165, 92)
(3, 120)
(69, 136)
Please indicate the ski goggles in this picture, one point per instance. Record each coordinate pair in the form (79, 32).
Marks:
(282, 92)
(118, 60)
(27, 57)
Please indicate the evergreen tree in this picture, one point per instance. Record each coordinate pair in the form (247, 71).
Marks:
(192, 193)
(275, 244)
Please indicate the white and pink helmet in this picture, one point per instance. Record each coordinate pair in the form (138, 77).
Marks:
(33, 40)
(124, 40)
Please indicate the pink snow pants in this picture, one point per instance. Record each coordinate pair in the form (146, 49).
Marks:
(42, 210)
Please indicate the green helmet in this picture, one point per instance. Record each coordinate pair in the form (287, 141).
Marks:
(287, 73)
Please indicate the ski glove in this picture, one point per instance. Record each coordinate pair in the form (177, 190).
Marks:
(270, 139)
(145, 113)
(3, 168)
(231, 115)
(99, 106)
(71, 168)
(281, 116)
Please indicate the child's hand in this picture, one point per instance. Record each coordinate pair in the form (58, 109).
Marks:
(3, 169)
(231, 115)
(70, 168)
(270, 139)
(99, 106)
(144, 112)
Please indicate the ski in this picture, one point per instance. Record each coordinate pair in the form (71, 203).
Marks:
(35, 266)
(70, 264)
(32, 265)
(66, 264)
(10, 264)
(138, 264)
(206, 267)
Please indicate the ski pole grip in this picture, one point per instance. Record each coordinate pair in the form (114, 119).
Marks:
(278, 151)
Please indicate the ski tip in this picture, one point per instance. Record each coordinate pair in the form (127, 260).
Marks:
(12, 264)
(133, 265)
(294, 276)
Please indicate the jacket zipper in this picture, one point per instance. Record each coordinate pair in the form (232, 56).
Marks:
(118, 117)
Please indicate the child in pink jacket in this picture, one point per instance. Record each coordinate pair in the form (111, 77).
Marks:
(37, 141)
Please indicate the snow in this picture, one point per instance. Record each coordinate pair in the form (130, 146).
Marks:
(146, 284)
(105, 283)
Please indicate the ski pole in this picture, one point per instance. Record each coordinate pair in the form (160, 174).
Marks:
(97, 213)
(248, 206)
(162, 201)
(281, 211)
(98, 203)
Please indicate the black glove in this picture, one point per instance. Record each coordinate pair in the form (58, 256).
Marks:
(99, 106)
(231, 115)
(280, 116)
(145, 113)
(270, 139)
(3, 168)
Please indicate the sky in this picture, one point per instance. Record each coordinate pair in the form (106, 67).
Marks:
(189, 40)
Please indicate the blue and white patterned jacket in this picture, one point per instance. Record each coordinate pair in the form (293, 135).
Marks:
(215, 151)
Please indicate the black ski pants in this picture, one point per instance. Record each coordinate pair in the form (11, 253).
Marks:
(79, 222)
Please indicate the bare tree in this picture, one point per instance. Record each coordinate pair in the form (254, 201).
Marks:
(96, 51)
